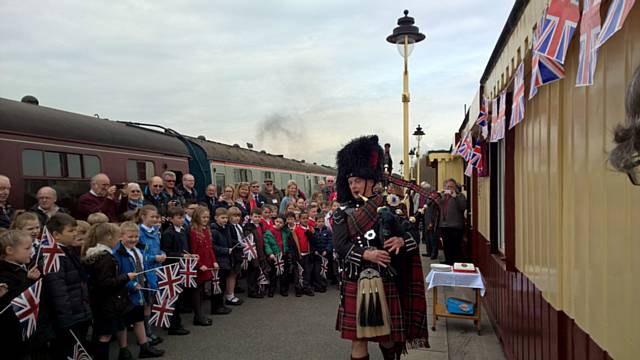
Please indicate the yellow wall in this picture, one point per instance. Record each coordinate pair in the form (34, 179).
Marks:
(576, 217)
(448, 167)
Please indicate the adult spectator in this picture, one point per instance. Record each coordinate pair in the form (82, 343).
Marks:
(387, 161)
(46, 206)
(101, 198)
(271, 195)
(432, 225)
(131, 199)
(329, 191)
(211, 199)
(290, 196)
(174, 198)
(187, 187)
(256, 199)
(157, 197)
(6, 210)
(452, 207)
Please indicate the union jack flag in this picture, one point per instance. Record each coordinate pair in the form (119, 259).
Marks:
(262, 278)
(483, 118)
(324, 267)
(279, 264)
(215, 282)
(517, 108)
(249, 248)
(169, 281)
(162, 310)
(476, 155)
(188, 271)
(589, 31)
(51, 253)
(494, 120)
(560, 22)
(544, 70)
(502, 116)
(79, 352)
(469, 147)
(469, 170)
(27, 306)
(617, 14)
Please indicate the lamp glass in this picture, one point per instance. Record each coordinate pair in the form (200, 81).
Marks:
(400, 46)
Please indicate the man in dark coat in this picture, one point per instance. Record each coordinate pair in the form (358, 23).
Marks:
(46, 206)
(186, 188)
(6, 210)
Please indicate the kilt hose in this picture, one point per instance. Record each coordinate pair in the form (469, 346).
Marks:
(347, 324)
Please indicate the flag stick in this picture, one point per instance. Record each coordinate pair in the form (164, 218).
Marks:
(79, 342)
(148, 289)
(8, 306)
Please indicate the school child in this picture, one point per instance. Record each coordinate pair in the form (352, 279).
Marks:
(129, 254)
(26, 221)
(201, 245)
(223, 248)
(189, 207)
(66, 291)
(242, 200)
(323, 249)
(258, 265)
(175, 244)
(305, 236)
(235, 230)
(15, 254)
(293, 255)
(108, 292)
(97, 218)
(268, 212)
(153, 258)
(82, 231)
(276, 242)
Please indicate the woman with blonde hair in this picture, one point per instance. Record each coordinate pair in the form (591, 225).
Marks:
(132, 198)
(291, 194)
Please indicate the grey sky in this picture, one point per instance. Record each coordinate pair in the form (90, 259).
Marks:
(318, 72)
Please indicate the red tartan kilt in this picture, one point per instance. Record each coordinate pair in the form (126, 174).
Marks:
(346, 322)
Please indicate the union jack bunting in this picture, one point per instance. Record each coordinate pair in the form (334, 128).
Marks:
(517, 107)
(502, 116)
(483, 118)
(249, 248)
(279, 264)
(476, 155)
(468, 171)
(324, 267)
(188, 271)
(169, 281)
(215, 282)
(544, 70)
(589, 31)
(560, 22)
(51, 253)
(618, 11)
(27, 306)
(162, 310)
(467, 155)
(494, 120)
(79, 352)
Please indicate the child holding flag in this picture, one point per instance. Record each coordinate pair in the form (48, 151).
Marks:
(275, 248)
(201, 246)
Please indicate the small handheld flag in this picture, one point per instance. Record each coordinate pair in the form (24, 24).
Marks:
(26, 306)
(169, 281)
(162, 311)
(188, 272)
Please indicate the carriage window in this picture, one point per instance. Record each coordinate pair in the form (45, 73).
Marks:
(241, 175)
(32, 164)
(53, 164)
(74, 166)
(220, 183)
(91, 165)
(140, 170)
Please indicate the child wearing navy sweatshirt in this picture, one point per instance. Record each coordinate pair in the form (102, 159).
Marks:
(323, 250)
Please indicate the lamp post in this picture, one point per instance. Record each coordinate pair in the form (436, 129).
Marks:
(418, 134)
(401, 167)
(405, 35)
(412, 153)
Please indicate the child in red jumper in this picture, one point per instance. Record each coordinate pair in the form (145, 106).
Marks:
(304, 234)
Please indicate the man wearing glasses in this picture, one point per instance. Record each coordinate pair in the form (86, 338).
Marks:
(257, 200)
(172, 195)
(46, 206)
(157, 197)
(270, 194)
(328, 192)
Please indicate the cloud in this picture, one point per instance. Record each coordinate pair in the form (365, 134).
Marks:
(320, 72)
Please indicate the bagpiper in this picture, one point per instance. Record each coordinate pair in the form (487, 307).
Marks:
(382, 293)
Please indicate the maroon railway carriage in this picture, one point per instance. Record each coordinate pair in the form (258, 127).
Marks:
(43, 146)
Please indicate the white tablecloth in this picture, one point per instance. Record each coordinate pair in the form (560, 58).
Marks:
(456, 279)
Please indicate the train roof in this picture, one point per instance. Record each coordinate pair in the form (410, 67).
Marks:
(34, 120)
(234, 154)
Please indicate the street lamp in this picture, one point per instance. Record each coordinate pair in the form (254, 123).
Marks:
(418, 134)
(405, 35)
(401, 167)
(412, 152)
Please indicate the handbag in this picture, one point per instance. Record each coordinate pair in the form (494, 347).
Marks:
(372, 312)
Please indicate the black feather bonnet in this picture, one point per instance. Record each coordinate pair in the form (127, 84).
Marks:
(362, 157)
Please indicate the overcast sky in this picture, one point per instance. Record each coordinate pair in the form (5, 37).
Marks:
(296, 77)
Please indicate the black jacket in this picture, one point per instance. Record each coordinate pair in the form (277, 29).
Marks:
(222, 242)
(16, 279)
(159, 201)
(6, 214)
(109, 297)
(174, 243)
(193, 195)
(67, 292)
(42, 216)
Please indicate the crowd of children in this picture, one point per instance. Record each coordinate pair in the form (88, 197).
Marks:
(103, 288)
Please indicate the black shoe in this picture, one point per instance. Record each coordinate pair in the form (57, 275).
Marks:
(309, 293)
(285, 294)
(270, 294)
(238, 290)
(148, 351)
(201, 322)
(234, 302)
(256, 296)
(298, 294)
(321, 290)
(180, 331)
(155, 340)
(434, 257)
(426, 255)
(222, 310)
(125, 354)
